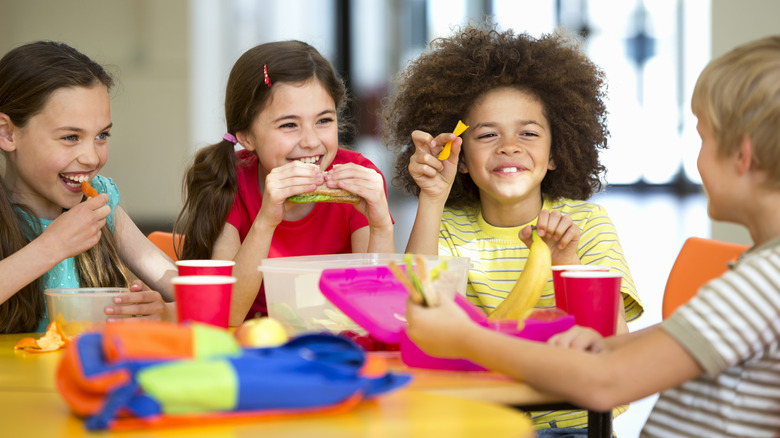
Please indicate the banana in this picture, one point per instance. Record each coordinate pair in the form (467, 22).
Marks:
(529, 287)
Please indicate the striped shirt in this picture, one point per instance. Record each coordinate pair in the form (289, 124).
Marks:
(498, 256)
(731, 327)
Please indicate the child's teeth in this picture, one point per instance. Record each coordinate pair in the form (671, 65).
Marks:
(509, 169)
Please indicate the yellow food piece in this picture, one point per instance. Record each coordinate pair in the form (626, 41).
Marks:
(529, 287)
(459, 129)
(261, 333)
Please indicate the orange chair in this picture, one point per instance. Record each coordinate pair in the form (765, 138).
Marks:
(164, 241)
(700, 260)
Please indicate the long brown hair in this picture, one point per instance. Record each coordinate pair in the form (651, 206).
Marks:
(29, 74)
(210, 183)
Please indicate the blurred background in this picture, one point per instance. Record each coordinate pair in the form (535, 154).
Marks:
(172, 59)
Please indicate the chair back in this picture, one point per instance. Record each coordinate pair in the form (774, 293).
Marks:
(699, 261)
(164, 241)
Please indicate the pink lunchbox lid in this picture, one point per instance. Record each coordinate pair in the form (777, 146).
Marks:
(374, 299)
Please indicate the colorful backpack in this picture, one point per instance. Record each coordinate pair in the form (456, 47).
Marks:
(151, 374)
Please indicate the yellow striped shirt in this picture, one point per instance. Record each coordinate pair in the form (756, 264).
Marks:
(498, 256)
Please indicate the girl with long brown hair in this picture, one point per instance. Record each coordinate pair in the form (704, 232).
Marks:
(55, 121)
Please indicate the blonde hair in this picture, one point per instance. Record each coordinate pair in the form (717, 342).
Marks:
(739, 95)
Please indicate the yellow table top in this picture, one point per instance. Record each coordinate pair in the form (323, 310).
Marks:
(30, 405)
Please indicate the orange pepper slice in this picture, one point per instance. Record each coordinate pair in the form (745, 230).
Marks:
(459, 129)
(52, 340)
(26, 343)
(88, 190)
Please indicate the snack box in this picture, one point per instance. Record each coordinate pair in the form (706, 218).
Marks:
(373, 298)
(80, 309)
(293, 293)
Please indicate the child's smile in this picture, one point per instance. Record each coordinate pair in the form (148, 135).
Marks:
(63, 145)
(507, 151)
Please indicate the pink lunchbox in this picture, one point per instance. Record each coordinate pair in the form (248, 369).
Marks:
(373, 298)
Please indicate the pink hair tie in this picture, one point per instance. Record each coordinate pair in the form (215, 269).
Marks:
(229, 137)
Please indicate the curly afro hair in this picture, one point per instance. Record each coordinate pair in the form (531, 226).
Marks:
(439, 87)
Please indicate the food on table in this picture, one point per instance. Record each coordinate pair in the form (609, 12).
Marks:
(459, 129)
(261, 332)
(52, 340)
(528, 288)
(88, 190)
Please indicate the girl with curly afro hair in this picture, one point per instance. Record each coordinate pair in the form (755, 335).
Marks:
(530, 157)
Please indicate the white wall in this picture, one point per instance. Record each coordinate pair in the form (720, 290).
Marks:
(146, 43)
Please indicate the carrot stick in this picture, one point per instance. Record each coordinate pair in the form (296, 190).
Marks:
(88, 190)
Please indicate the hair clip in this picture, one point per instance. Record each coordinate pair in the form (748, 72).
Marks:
(229, 137)
(265, 74)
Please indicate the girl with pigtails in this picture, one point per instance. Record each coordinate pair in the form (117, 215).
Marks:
(284, 105)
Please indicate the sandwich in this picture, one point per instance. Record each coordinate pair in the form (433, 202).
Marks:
(326, 194)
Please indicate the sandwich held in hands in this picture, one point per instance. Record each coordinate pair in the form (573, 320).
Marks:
(324, 193)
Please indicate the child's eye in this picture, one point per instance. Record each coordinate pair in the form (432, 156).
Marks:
(529, 134)
(325, 121)
(103, 136)
(288, 125)
(486, 135)
(72, 137)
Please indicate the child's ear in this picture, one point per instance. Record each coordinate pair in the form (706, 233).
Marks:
(551, 164)
(744, 155)
(462, 168)
(6, 133)
(245, 141)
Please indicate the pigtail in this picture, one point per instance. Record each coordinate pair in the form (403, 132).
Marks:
(23, 310)
(210, 186)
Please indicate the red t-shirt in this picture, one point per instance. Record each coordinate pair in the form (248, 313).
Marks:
(327, 229)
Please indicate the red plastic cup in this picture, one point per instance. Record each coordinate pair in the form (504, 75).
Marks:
(560, 292)
(204, 298)
(205, 267)
(593, 298)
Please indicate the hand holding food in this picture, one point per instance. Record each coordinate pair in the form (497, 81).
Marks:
(459, 129)
(528, 288)
(561, 233)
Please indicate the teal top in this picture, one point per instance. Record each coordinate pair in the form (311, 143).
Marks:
(64, 274)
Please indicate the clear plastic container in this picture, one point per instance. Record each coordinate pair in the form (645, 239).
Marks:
(80, 309)
(294, 297)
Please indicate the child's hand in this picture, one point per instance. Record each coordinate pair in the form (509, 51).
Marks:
(369, 185)
(284, 181)
(434, 177)
(579, 338)
(78, 229)
(438, 330)
(561, 235)
(141, 302)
